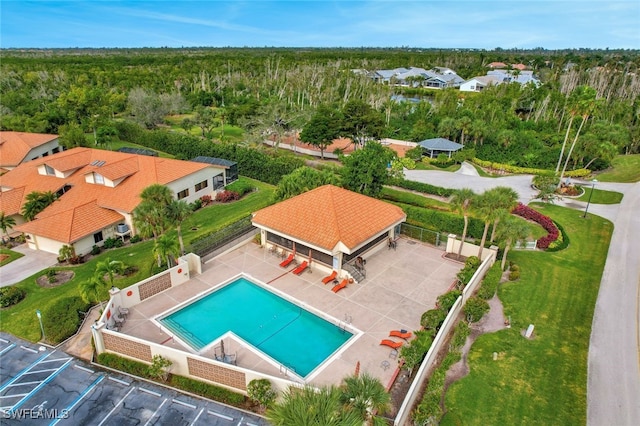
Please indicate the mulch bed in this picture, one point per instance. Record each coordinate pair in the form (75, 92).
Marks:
(61, 278)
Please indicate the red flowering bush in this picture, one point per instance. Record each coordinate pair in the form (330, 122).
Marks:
(227, 196)
(206, 199)
(544, 221)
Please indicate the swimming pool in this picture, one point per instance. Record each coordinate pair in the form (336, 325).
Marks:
(289, 334)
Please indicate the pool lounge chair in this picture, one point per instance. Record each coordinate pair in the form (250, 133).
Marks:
(329, 278)
(340, 286)
(301, 268)
(391, 343)
(403, 334)
(287, 261)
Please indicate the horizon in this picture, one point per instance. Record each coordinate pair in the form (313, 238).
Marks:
(349, 24)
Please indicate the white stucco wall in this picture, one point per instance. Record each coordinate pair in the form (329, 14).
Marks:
(189, 182)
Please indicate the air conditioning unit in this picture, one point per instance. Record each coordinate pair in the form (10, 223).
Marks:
(122, 228)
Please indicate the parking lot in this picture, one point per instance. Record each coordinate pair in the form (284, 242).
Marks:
(43, 386)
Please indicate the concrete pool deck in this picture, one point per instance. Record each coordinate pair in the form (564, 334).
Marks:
(400, 286)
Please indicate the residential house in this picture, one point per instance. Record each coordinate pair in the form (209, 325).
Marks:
(437, 78)
(18, 147)
(479, 83)
(97, 193)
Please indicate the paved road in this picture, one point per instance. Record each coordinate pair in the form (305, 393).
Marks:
(33, 261)
(613, 388)
(41, 386)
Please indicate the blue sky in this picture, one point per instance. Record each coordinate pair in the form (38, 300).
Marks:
(322, 23)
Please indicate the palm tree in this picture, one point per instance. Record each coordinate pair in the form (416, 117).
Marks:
(462, 202)
(311, 407)
(93, 289)
(486, 208)
(156, 193)
(6, 222)
(166, 246)
(178, 211)
(506, 200)
(365, 395)
(511, 230)
(110, 268)
(35, 202)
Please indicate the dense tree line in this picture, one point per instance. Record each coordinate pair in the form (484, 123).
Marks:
(276, 92)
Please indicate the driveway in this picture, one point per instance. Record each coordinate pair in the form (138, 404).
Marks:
(613, 377)
(33, 261)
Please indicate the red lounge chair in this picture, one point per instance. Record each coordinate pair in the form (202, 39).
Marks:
(391, 343)
(301, 268)
(403, 334)
(337, 288)
(287, 261)
(331, 277)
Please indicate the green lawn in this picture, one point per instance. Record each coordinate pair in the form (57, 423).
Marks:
(20, 320)
(600, 197)
(13, 255)
(626, 169)
(407, 197)
(420, 165)
(543, 380)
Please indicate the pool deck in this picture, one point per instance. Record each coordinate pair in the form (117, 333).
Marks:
(400, 286)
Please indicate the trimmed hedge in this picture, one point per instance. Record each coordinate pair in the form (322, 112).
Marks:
(544, 221)
(425, 188)
(197, 387)
(442, 221)
(241, 187)
(11, 295)
(562, 242)
(490, 282)
(63, 318)
(526, 170)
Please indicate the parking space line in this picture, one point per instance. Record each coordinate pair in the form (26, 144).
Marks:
(24, 383)
(186, 404)
(156, 412)
(79, 367)
(122, 382)
(24, 370)
(56, 359)
(222, 416)
(28, 349)
(40, 371)
(197, 417)
(116, 406)
(41, 385)
(250, 424)
(150, 392)
(3, 340)
(79, 398)
(8, 348)
(15, 395)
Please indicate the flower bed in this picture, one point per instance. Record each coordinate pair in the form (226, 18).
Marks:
(544, 221)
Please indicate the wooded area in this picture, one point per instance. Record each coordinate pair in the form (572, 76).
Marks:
(587, 103)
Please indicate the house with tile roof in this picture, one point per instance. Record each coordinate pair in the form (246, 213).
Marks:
(97, 193)
(18, 147)
(329, 227)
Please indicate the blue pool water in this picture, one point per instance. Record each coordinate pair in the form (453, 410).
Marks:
(283, 330)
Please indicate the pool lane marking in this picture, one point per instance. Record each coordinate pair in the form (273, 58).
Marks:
(222, 416)
(116, 406)
(156, 412)
(7, 349)
(21, 373)
(41, 385)
(198, 416)
(78, 399)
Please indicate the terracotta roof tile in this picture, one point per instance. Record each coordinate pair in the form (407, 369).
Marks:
(11, 201)
(14, 146)
(328, 215)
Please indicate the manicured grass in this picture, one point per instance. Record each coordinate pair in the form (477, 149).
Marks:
(600, 197)
(626, 169)
(542, 380)
(407, 197)
(20, 320)
(13, 255)
(420, 165)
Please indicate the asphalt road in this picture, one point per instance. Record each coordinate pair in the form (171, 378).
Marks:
(613, 377)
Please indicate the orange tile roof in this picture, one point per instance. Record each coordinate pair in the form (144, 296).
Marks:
(11, 201)
(14, 146)
(140, 171)
(71, 225)
(328, 215)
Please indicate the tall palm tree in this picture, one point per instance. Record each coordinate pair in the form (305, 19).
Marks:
(156, 193)
(365, 395)
(166, 247)
(312, 407)
(93, 290)
(178, 211)
(35, 202)
(506, 200)
(486, 208)
(110, 268)
(462, 202)
(149, 217)
(511, 230)
(6, 222)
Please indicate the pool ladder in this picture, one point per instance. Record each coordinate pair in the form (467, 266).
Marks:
(284, 369)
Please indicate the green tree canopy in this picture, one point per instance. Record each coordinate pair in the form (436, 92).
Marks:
(304, 179)
(323, 128)
(365, 170)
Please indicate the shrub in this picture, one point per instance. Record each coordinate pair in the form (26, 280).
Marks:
(544, 221)
(460, 334)
(227, 196)
(135, 239)
(422, 187)
(527, 170)
(414, 352)
(95, 250)
(514, 275)
(205, 200)
(261, 392)
(446, 301)
(11, 295)
(196, 205)
(118, 243)
(562, 242)
(241, 187)
(51, 276)
(159, 368)
(130, 366)
(110, 243)
(470, 267)
(433, 319)
(475, 308)
(490, 282)
(63, 317)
